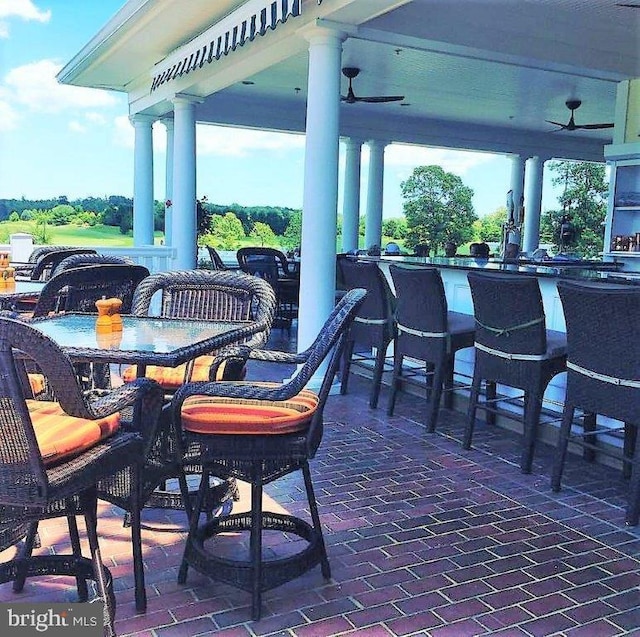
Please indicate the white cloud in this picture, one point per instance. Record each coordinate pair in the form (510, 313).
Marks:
(77, 127)
(8, 116)
(239, 142)
(23, 9)
(455, 161)
(35, 87)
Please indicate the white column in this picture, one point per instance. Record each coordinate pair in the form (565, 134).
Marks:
(351, 198)
(517, 183)
(532, 203)
(373, 222)
(184, 225)
(320, 192)
(143, 180)
(168, 184)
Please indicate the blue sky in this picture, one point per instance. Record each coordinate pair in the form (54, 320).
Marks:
(61, 140)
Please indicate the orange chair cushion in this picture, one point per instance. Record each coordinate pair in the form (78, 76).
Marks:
(171, 378)
(38, 383)
(61, 436)
(214, 415)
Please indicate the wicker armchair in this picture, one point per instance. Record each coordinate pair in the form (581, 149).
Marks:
(54, 454)
(23, 270)
(48, 262)
(427, 332)
(603, 350)
(87, 258)
(216, 260)
(202, 294)
(513, 348)
(373, 329)
(273, 266)
(259, 432)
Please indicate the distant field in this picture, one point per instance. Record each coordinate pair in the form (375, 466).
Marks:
(74, 235)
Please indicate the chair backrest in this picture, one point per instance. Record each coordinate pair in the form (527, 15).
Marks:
(603, 336)
(421, 306)
(216, 259)
(39, 252)
(375, 319)
(89, 258)
(261, 257)
(23, 478)
(479, 250)
(78, 289)
(212, 295)
(48, 262)
(509, 312)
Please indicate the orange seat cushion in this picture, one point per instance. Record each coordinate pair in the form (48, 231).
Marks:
(38, 383)
(214, 415)
(171, 378)
(61, 436)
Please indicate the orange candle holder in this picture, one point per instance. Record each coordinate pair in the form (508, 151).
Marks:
(103, 322)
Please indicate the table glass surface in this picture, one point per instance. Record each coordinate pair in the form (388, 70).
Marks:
(142, 339)
(22, 287)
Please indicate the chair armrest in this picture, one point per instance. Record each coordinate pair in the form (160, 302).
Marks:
(278, 357)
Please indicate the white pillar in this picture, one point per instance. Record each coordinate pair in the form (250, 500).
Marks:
(143, 180)
(532, 203)
(320, 192)
(184, 226)
(373, 222)
(517, 183)
(351, 198)
(168, 184)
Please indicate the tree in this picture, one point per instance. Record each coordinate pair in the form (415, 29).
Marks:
(438, 208)
(583, 201)
(226, 232)
(489, 227)
(395, 228)
(292, 237)
(263, 233)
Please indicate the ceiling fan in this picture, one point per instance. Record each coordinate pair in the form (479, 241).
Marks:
(573, 105)
(352, 72)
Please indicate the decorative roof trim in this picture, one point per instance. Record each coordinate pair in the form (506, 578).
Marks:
(244, 24)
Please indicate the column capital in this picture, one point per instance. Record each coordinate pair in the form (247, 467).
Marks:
(379, 144)
(317, 33)
(352, 142)
(141, 118)
(167, 121)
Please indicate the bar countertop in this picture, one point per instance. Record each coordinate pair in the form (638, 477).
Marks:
(576, 270)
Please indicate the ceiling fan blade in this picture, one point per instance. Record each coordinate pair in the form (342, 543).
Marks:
(378, 99)
(555, 123)
(595, 126)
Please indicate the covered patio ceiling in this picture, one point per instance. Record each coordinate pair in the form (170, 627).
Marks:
(475, 74)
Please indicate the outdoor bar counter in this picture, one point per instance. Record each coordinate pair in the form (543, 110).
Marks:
(454, 274)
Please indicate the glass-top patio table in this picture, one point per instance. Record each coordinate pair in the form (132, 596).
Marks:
(20, 290)
(144, 340)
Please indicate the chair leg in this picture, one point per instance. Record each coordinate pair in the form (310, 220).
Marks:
(27, 550)
(589, 426)
(471, 413)
(630, 440)
(346, 365)
(561, 448)
(490, 398)
(395, 382)
(193, 523)
(633, 508)
(255, 541)
(315, 517)
(89, 501)
(532, 410)
(83, 593)
(378, 369)
(434, 403)
(448, 382)
(136, 539)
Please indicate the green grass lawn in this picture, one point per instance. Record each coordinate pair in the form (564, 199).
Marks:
(73, 235)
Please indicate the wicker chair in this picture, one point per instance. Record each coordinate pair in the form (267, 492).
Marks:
(23, 270)
(427, 332)
(216, 260)
(259, 432)
(48, 262)
(603, 349)
(86, 258)
(209, 295)
(513, 348)
(54, 454)
(373, 329)
(272, 265)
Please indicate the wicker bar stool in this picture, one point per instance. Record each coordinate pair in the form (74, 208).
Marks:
(513, 348)
(428, 332)
(603, 350)
(373, 329)
(259, 432)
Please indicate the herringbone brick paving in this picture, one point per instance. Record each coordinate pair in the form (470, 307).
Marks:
(423, 539)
